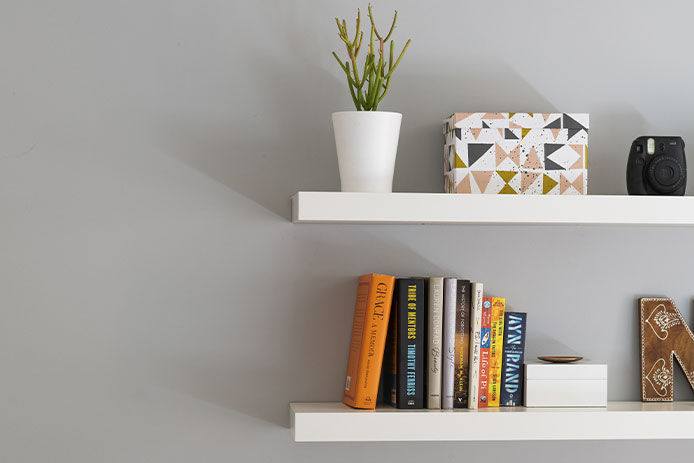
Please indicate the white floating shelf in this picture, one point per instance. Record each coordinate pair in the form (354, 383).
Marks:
(441, 208)
(335, 422)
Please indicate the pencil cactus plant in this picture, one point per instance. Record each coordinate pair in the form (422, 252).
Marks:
(370, 85)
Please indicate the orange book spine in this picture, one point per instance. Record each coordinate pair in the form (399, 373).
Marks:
(369, 329)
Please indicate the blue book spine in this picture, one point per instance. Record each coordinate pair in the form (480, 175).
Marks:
(513, 358)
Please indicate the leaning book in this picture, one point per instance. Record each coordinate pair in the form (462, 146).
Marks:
(369, 328)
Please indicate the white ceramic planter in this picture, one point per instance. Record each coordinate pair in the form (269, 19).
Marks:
(366, 142)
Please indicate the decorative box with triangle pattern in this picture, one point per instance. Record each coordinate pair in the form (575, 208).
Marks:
(516, 153)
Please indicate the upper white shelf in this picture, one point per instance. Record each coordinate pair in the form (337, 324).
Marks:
(442, 208)
(335, 422)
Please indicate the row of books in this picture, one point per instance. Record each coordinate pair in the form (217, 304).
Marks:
(436, 343)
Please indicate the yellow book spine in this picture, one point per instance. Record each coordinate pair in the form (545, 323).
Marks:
(496, 350)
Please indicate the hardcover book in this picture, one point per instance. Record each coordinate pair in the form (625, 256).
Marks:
(495, 351)
(369, 328)
(434, 341)
(462, 345)
(448, 360)
(514, 354)
(485, 344)
(409, 304)
(475, 337)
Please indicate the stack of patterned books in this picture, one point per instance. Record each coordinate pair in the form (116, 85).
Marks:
(436, 343)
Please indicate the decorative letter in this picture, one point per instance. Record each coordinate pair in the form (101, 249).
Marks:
(664, 335)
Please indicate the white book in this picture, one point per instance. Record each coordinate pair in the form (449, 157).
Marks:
(435, 342)
(448, 361)
(475, 337)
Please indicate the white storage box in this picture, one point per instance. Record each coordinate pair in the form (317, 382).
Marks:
(562, 385)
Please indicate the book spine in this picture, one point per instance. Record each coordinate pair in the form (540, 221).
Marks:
(485, 343)
(496, 350)
(477, 290)
(462, 345)
(369, 328)
(390, 357)
(448, 359)
(514, 355)
(435, 340)
(411, 343)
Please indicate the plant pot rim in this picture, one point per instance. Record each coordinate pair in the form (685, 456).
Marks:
(367, 112)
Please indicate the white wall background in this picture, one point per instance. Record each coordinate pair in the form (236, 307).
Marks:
(156, 305)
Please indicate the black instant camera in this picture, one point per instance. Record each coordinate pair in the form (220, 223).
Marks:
(657, 166)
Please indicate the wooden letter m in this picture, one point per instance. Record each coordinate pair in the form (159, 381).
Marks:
(664, 336)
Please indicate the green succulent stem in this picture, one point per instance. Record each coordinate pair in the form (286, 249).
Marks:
(368, 87)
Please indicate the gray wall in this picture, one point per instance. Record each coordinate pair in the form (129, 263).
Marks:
(156, 305)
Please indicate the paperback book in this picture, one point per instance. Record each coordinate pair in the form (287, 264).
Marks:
(475, 338)
(496, 350)
(512, 370)
(485, 344)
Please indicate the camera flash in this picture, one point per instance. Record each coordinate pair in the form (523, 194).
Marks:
(650, 146)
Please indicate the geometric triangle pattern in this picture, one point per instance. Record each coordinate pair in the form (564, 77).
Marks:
(513, 156)
(571, 122)
(482, 178)
(548, 183)
(572, 132)
(555, 124)
(459, 164)
(507, 190)
(528, 180)
(476, 151)
(516, 153)
(464, 185)
(551, 165)
(506, 175)
(532, 161)
(565, 183)
(562, 157)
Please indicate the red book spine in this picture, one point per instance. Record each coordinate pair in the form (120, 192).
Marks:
(485, 344)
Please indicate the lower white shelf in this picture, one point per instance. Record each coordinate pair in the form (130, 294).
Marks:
(335, 422)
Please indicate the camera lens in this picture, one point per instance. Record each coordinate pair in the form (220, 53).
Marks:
(665, 174)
